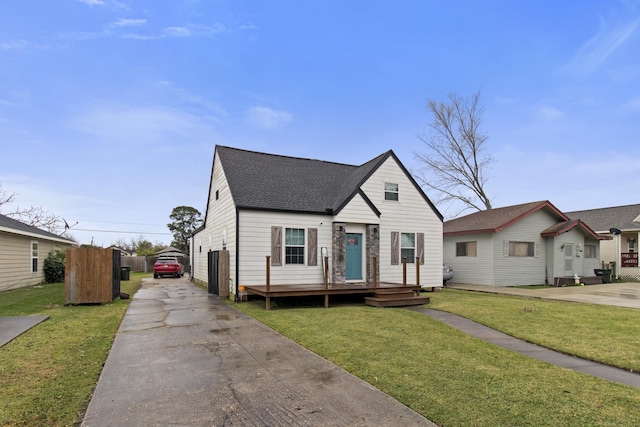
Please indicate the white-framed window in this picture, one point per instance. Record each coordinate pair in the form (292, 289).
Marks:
(590, 251)
(408, 247)
(294, 246)
(34, 256)
(391, 191)
(466, 249)
(632, 245)
(521, 249)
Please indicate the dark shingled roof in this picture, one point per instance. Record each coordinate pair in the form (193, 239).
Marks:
(22, 228)
(280, 183)
(601, 220)
(495, 220)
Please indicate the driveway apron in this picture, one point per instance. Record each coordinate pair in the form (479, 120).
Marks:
(183, 357)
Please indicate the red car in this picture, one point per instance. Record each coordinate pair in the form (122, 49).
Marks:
(167, 267)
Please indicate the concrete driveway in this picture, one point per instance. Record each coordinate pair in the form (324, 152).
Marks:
(182, 357)
(616, 294)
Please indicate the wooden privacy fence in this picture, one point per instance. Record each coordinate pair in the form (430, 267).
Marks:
(92, 275)
(144, 264)
(137, 263)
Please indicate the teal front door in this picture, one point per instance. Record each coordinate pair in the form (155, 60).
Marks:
(354, 256)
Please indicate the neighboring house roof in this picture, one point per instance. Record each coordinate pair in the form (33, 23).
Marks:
(564, 226)
(123, 252)
(14, 226)
(625, 218)
(497, 219)
(170, 251)
(263, 181)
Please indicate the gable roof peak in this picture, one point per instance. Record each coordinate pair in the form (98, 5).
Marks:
(496, 219)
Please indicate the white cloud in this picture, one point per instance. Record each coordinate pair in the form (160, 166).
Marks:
(177, 32)
(15, 45)
(93, 2)
(634, 103)
(124, 22)
(122, 125)
(611, 36)
(268, 118)
(550, 113)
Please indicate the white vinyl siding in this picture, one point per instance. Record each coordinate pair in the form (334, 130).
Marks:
(477, 269)
(411, 213)
(357, 211)
(220, 228)
(522, 270)
(255, 246)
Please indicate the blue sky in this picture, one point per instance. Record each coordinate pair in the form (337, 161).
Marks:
(110, 110)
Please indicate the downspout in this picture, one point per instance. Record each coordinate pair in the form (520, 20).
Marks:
(237, 252)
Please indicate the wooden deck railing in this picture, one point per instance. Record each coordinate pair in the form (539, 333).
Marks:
(629, 259)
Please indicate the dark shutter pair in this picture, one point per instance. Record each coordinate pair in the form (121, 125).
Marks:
(276, 246)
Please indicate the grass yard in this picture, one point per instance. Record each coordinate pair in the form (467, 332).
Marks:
(47, 374)
(609, 335)
(457, 380)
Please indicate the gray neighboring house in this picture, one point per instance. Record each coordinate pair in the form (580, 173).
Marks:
(528, 244)
(298, 211)
(619, 250)
(23, 249)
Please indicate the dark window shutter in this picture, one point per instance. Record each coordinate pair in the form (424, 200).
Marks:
(276, 245)
(313, 246)
(420, 247)
(395, 248)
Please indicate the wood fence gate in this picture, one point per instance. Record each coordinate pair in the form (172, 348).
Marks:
(218, 273)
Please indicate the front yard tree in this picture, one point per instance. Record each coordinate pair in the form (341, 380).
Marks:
(35, 215)
(184, 220)
(456, 163)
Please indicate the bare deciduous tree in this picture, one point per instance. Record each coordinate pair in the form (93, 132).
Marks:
(5, 198)
(35, 215)
(456, 163)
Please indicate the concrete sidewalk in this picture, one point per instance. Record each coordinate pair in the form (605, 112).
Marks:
(615, 294)
(531, 350)
(182, 357)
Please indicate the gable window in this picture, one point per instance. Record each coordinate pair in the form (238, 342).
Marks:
(294, 246)
(522, 249)
(408, 247)
(590, 251)
(34, 257)
(466, 249)
(390, 191)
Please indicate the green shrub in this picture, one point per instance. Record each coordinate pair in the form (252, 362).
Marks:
(54, 267)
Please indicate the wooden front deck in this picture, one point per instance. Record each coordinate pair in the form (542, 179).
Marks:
(275, 291)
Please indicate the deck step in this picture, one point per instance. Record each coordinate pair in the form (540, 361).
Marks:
(395, 301)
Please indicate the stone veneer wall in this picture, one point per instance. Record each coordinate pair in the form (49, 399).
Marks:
(339, 251)
(372, 251)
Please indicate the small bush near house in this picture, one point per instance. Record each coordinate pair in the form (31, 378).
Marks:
(54, 267)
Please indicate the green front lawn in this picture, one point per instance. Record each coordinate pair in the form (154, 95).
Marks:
(457, 380)
(47, 374)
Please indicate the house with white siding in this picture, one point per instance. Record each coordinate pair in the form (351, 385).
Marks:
(528, 244)
(288, 214)
(619, 226)
(23, 249)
